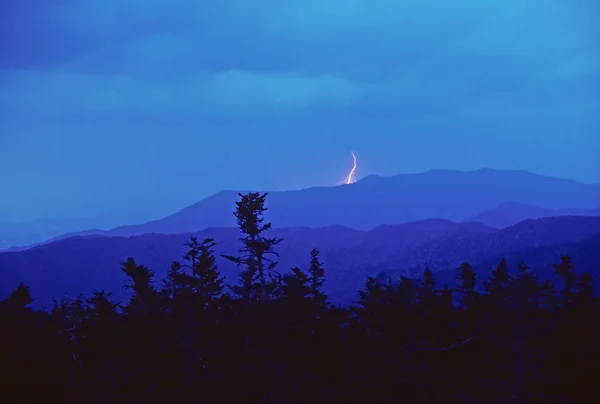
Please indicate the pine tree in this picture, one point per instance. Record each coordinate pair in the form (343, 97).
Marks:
(585, 291)
(446, 295)
(376, 292)
(140, 281)
(375, 304)
(427, 289)
(500, 281)
(529, 297)
(259, 279)
(19, 299)
(407, 293)
(316, 279)
(173, 283)
(568, 276)
(206, 282)
(100, 305)
(248, 289)
(296, 286)
(466, 286)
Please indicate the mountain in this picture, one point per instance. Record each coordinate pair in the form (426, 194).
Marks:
(85, 264)
(372, 201)
(510, 213)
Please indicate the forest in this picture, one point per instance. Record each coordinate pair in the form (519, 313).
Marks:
(274, 337)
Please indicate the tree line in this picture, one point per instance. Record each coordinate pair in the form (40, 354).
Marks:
(275, 337)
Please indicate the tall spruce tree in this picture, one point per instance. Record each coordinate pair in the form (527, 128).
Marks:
(258, 256)
(316, 279)
(466, 284)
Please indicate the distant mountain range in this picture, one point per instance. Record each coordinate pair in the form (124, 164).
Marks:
(85, 264)
(498, 198)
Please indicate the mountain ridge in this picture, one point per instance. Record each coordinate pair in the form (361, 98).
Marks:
(374, 200)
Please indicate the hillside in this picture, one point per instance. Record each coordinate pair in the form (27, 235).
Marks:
(84, 264)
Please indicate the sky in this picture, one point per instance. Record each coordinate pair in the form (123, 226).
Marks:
(134, 109)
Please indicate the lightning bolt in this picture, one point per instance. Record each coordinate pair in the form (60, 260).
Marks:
(351, 178)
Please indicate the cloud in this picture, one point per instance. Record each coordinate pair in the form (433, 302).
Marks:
(245, 59)
(234, 94)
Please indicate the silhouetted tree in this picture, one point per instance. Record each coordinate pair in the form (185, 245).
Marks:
(206, 282)
(296, 285)
(141, 283)
(585, 291)
(446, 295)
(101, 305)
(498, 285)
(466, 285)
(407, 293)
(427, 285)
(258, 274)
(429, 309)
(316, 277)
(174, 282)
(568, 276)
(19, 299)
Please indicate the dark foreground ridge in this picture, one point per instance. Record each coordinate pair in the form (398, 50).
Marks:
(275, 338)
(57, 270)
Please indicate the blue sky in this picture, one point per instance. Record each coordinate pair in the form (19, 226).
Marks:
(134, 109)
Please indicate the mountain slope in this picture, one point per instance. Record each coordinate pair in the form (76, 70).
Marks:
(84, 264)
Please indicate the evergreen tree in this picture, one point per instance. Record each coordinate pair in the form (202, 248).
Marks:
(316, 279)
(530, 298)
(566, 272)
(19, 299)
(498, 284)
(585, 291)
(407, 293)
(296, 286)
(100, 305)
(528, 292)
(375, 304)
(427, 289)
(446, 295)
(69, 314)
(174, 282)
(140, 281)
(466, 284)
(376, 292)
(259, 279)
(206, 282)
